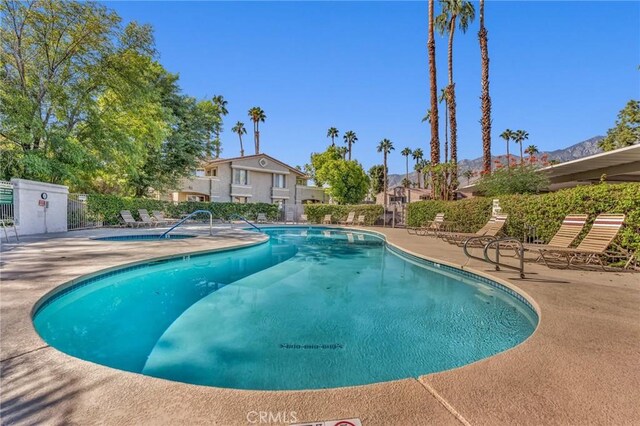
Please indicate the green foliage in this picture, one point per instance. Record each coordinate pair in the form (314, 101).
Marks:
(348, 183)
(316, 212)
(545, 212)
(109, 206)
(376, 174)
(518, 180)
(627, 130)
(318, 160)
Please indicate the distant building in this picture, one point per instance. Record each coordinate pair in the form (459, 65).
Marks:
(250, 179)
(400, 194)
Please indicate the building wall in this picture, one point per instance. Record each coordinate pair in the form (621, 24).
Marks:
(36, 215)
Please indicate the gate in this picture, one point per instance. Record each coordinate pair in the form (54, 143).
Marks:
(6, 201)
(78, 216)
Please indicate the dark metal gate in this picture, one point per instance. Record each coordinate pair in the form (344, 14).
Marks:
(78, 215)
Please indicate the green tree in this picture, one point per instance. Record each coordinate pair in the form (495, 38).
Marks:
(350, 138)
(220, 105)
(520, 180)
(211, 117)
(257, 115)
(332, 133)
(627, 129)
(507, 135)
(377, 174)
(406, 153)
(418, 155)
(385, 146)
(531, 150)
(240, 130)
(468, 174)
(348, 183)
(318, 160)
(463, 12)
(519, 136)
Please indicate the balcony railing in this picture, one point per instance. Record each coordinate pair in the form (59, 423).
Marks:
(280, 192)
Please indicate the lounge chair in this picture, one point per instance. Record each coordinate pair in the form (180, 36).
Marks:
(433, 227)
(128, 219)
(262, 218)
(159, 216)
(327, 219)
(303, 218)
(490, 230)
(360, 220)
(349, 219)
(288, 217)
(147, 219)
(594, 245)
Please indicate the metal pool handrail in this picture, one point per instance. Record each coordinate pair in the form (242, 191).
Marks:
(189, 216)
(496, 262)
(249, 223)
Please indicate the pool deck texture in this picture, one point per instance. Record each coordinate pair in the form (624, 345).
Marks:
(581, 366)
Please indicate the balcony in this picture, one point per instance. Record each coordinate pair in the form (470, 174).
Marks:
(241, 190)
(280, 193)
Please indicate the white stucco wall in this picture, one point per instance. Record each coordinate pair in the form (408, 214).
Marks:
(32, 218)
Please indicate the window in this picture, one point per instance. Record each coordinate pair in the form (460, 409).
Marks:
(240, 177)
(278, 181)
(196, 198)
(199, 172)
(301, 181)
(212, 172)
(241, 200)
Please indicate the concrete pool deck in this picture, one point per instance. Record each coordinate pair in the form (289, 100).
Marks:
(581, 366)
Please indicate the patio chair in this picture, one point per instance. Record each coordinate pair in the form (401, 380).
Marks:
(303, 218)
(349, 219)
(146, 218)
(327, 219)
(490, 230)
(159, 216)
(360, 220)
(128, 219)
(595, 247)
(433, 227)
(288, 217)
(262, 218)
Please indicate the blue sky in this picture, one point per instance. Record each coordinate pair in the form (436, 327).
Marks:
(560, 70)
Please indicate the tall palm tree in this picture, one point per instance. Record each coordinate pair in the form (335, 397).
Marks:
(464, 12)
(417, 155)
(221, 108)
(507, 135)
(427, 117)
(332, 133)
(520, 136)
(468, 174)
(444, 94)
(485, 99)
(257, 115)
(350, 138)
(531, 150)
(342, 150)
(240, 130)
(431, 48)
(406, 153)
(385, 146)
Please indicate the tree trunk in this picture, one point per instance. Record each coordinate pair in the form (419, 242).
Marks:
(349, 151)
(241, 148)
(431, 47)
(508, 156)
(521, 156)
(451, 105)
(384, 186)
(484, 96)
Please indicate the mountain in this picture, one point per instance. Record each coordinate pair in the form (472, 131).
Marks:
(579, 150)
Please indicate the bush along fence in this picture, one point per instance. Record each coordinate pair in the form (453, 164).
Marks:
(544, 212)
(316, 212)
(109, 206)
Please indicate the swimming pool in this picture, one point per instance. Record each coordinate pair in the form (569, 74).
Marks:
(311, 308)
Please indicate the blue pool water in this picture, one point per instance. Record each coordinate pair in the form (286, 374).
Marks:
(311, 308)
(145, 237)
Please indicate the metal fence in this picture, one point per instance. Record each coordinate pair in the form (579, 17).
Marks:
(6, 201)
(78, 215)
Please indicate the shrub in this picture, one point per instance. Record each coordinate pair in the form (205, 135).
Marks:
(545, 212)
(516, 180)
(109, 207)
(316, 212)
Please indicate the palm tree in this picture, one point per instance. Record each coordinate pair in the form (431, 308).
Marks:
(385, 146)
(257, 115)
(332, 133)
(485, 99)
(431, 48)
(531, 150)
(427, 117)
(350, 138)
(221, 108)
(406, 153)
(417, 155)
(519, 137)
(444, 94)
(507, 135)
(468, 174)
(342, 150)
(446, 23)
(240, 130)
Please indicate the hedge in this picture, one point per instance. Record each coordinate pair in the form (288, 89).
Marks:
(316, 212)
(545, 212)
(108, 208)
